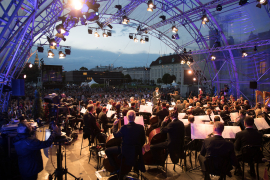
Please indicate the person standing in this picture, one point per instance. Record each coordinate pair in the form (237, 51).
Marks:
(156, 96)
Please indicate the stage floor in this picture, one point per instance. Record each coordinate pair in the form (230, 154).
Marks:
(78, 165)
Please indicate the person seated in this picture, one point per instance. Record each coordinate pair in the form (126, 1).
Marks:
(162, 113)
(179, 106)
(249, 136)
(188, 127)
(143, 102)
(133, 104)
(188, 113)
(266, 112)
(258, 113)
(175, 96)
(240, 122)
(175, 139)
(132, 135)
(225, 114)
(28, 150)
(246, 105)
(103, 119)
(217, 146)
(198, 111)
(98, 108)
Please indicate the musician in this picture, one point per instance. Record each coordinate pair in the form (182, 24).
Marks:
(162, 113)
(249, 136)
(208, 113)
(175, 139)
(156, 96)
(246, 105)
(98, 108)
(179, 106)
(266, 111)
(132, 135)
(28, 151)
(133, 107)
(104, 119)
(217, 146)
(198, 110)
(175, 96)
(188, 127)
(240, 122)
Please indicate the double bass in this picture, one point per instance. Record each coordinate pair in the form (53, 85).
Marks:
(153, 120)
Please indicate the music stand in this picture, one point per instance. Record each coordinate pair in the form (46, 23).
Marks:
(60, 171)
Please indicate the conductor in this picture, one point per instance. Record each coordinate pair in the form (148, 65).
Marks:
(156, 96)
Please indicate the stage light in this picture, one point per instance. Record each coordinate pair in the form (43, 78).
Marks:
(119, 7)
(188, 63)
(61, 55)
(130, 36)
(125, 20)
(77, 4)
(243, 2)
(40, 49)
(67, 51)
(261, 2)
(96, 34)
(60, 29)
(90, 31)
(30, 65)
(50, 54)
(162, 17)
(136, 40)
(189, 72)
(205, 19)
(105, 35)
(142, 41)
(244, 53)
(109, 33)
(175, 36)
(146, 38)
(52, 42)
(150, 9)
(174, 29)
(194, 79)
(213, 58)
(219, 7)
(110, 26)
(24, 76)
(183, 62)
(150, 4)
(100, 24)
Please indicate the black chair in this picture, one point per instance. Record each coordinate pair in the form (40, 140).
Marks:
(218, 165)
(251, 155)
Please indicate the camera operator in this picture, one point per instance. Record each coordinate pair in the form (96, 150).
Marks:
(28, 150)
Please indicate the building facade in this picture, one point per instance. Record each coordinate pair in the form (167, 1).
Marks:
(139, 73)
(36, 62)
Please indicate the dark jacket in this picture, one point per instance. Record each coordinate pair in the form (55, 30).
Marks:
(103, 119)
(133, 139)
(240, 123)
(175, 137)
(29, 155)
(218, 146)
(249, 136)
(90, 123)
(98, 110)
(156, 97)
(161, 114)
(188, 130)
(198, 111)
(267, 118)
(134, 109)
(176, 97)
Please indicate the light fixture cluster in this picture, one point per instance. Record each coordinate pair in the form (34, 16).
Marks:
(106, 32)
(151, 6)
(213, 58)
(61, 54)
(205, 19)
(125, 20)
(260, 3)
(188, 61)
(143, 39)
(244, 53)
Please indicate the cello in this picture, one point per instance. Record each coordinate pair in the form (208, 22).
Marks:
(153, 120)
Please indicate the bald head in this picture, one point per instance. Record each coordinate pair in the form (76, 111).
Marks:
(131, 115)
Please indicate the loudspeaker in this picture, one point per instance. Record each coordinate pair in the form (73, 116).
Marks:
(253, 85)
(18, 88)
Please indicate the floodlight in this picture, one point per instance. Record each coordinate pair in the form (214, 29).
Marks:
(146, 38)
(135, 39)
(77, 4)
(67, 51)
(174, 29)
(30, 65)
(96, 34)
(205, 19)
(40, 49)
(125, 20)
(183, 62)
(213, 58)
(244, 53)
(219, 7)
(24, 76)
(60, 29)
(105, 35)
(142, 41)
(109, 33)
(130, 36)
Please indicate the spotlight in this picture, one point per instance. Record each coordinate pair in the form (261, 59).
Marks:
(150, 9)
(99, 24)
(105, 35)
(24, 76)
(50, 54)
(96, 34)
(130, 36)
(52, 42)
(109, 33)
(135, 39)
(61, 55)
(30, 65)
(188, 62)
(189, 72)
(175, 36)
(146, 38)
(119, 7)
(185, 50)
(261, 2)
(162, 17)
(205, 19)
(244, 53)
(183, 62)
(60, 29)
(125, 20)
(213, 58)
(77, 4)
(67, 51)
(194, 79)
(255, 48)
(110, 26)
(150, 4)
(90, 31)
(40, 49)
(243, 2)
(219, 7)
(174, 29)
(142, 41)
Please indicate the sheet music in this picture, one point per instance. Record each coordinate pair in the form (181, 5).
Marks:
(170, 108)
(138, 120)
(199, 119)
(149, 103)
(217, 108)
(230, 131)
(205, 105)
(173, 103)
(83, 110)
(181, 115)
(110, 113)
(261, 123)
(144, 108)
(109, 106)
(189, 107)
(234, 116)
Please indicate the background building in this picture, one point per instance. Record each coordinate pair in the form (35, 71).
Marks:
(139, 73)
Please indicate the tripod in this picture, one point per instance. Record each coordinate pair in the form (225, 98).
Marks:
(60, 171)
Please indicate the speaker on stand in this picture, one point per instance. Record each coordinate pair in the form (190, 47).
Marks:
(253, 85)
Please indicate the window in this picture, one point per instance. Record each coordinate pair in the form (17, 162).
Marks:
(160, 61)
(172, 59)
(85, 73)
(262, 67)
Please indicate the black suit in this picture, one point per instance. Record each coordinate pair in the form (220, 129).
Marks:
(161, 115)
(156, 97)
(134, 109)
(266, 117)
(180, 107)
(176, 97)
(198, 111)
(240, 123)
(175, 140)
(188, 130)
(216, 146)
(104, 120)
(133, 138)
(90, 126)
